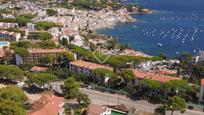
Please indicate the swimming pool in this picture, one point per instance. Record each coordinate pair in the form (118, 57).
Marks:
(117, 113)
(2, 44)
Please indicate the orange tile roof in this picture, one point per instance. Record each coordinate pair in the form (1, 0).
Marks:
(48, 104)
(38, 69)
(166, 71)
(88, 65)
(202, 82)
(47, 50)
(153, 76)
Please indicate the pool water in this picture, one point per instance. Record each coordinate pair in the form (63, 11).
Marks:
(4, 43)
(117, 113)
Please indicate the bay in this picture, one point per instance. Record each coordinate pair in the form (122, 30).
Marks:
(177, 24)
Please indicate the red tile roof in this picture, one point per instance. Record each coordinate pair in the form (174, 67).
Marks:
(202, 82)
(38, 69)
(48, 104)
(153, 76)
(94, 109)
(88, 65)
(47, 50)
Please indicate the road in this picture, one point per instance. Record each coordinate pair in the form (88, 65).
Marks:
(108, 99)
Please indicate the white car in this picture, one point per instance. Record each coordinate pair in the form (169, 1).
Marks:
(20, 84)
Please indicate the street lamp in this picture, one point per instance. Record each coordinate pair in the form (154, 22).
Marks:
(177, 91)
(172, 110)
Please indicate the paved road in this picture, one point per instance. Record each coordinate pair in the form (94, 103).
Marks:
(106, 98)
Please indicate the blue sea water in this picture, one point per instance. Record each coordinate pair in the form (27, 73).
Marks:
(177, 24)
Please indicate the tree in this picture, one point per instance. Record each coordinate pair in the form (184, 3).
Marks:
(44, 25)
(179, 87)
(10, 107)
(47, 59)
(70, 88)
(22, 44)
(175, 104)
(21, 51)
(45, 36)
(13, 93)
(22, 21)
(47, 45)
(11, 72)
(162, 56)
(104, 73)
(127, 75)
(64, 42)
(83, 100)
(41, 79)
(51, 12)
(65, 58)
(113, 42)
(151, 84)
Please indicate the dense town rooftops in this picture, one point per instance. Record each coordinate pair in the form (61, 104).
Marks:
(48, 104)
(88, 65)
(153, 76)
(46, 50)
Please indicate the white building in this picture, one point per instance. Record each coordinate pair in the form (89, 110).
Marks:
(199, 58)
(4, 25)
(78, 41)
(9, 36)
(30, 26)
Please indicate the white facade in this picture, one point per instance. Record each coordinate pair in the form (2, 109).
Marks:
(30, 26)
(78, 41)
(83, 70)
(201, 97)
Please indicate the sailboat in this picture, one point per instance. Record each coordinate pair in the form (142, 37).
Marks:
(159, 44)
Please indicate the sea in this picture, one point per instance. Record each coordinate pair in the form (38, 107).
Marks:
(176, 26)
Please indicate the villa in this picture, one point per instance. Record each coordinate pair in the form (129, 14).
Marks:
(140, 74)
(4, 25)
(87, 68)
(9, 36)
(35, 54)
(48, 104)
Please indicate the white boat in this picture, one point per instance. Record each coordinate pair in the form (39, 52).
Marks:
(159, 44)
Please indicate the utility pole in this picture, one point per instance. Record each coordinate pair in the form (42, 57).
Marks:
(118, 100)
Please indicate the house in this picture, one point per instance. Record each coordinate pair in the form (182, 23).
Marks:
(140, 74)
(201, 97)
(9, 36)
(78, 40)
(31, 26)
(198, 58)
(121, 109)
(87, 68)
(48, 104)
(38, 69)
(35, 54)
(4, 25)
